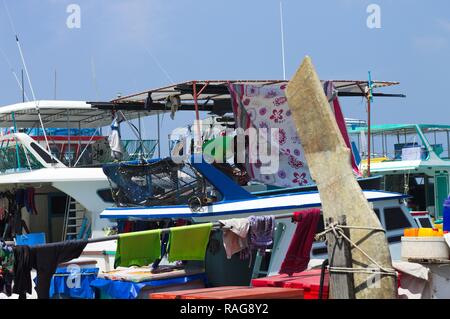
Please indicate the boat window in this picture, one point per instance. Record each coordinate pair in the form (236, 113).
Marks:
(395, 218)
(320, 225)
(416, 187)
(68, 154)
(43, 154)
(106, 195)
(389, 144)
(12, 158)
(438, 139)
(424, 222)
(377, 212)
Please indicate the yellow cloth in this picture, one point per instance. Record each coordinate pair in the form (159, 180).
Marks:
(138, 248)
(189, 242)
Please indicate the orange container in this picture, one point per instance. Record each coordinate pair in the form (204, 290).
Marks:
(411, 232)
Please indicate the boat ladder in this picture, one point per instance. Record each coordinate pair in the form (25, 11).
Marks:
(73, 219)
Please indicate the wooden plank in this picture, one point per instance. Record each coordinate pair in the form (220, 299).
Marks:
(329, 162)
(250, 293)
(179, 294)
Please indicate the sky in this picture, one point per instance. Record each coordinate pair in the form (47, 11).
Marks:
(123, 47)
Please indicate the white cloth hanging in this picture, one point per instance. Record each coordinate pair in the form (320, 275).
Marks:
(235, 238)
(114, 140)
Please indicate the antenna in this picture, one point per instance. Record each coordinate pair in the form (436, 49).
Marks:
(22, 87)
(282, 40)
(94, 77)
(159, 65)
(25, 67)
(54, 96)
(15, 75)
(26, 72)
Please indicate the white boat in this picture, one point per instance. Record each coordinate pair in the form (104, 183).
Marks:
(233, 201)
(63, 166)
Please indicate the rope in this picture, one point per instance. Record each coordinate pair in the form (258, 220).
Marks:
(321, 236)
(338, 231)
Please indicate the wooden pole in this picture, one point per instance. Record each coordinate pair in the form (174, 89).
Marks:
(329, 162)
(341, 284)
(368, 136)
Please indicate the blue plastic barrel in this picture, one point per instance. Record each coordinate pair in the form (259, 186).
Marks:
(446, 214)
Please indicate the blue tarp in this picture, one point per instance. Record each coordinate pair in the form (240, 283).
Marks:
(31, 239)
(118, 289)
(58, 285)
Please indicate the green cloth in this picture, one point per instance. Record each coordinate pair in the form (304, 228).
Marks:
(189, 242)
(138, 248)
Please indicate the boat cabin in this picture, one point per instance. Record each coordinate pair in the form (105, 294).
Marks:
(413, 159)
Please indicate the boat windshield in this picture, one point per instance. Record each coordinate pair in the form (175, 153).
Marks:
(16, 157)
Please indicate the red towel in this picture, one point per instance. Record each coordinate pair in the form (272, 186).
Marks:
(298, 254)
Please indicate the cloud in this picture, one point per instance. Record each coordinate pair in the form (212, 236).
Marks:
(430, 43)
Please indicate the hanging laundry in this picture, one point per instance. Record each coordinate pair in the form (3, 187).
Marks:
(266, 107)
(138, 249)
(29, 200)
(189, 242)
(235, 238)
(298, 254)
(45, 259)
(261, 232)
(114, 140)
(332, 95)
(4, 205)
(20, 196)
(22, 271)
(6, 268)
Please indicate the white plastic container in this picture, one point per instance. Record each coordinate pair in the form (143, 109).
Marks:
(424, 248)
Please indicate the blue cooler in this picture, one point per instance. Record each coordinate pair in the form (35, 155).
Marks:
(446, 214)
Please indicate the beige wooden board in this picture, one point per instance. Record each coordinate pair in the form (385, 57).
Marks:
(329, 162)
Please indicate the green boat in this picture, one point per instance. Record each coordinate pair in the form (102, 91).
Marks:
(413, 159)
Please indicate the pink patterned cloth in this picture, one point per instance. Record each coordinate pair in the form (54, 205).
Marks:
(265, 106)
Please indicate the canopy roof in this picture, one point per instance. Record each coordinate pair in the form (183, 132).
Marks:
(59, 114)
(400, 128)
(218, 89)
(214, 97)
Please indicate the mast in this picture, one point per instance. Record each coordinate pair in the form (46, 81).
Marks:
(282, 40)
(23, 89)
(159, 137)
(369, 98)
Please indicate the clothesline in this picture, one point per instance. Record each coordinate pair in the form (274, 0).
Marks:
(216, 225)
